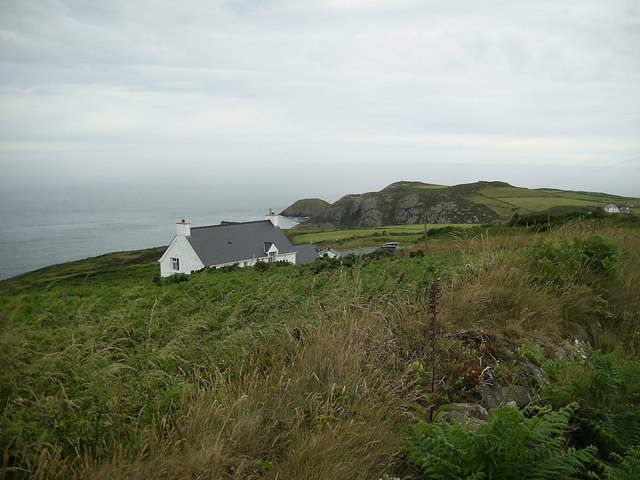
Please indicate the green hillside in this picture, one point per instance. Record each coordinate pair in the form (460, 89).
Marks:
(503, 200)
(307, 207)
(479, 202)
(327, 370)
(347, 238)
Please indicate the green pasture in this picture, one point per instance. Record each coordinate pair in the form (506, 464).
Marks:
(508, 192)
(538, 204)
(503, 200)
(600, 198)
(432, 187)
(586, 197)
(541, 199)
(498, 205)
(550, 191)
(408, 233)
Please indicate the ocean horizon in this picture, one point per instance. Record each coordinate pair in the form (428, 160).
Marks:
(50, 225)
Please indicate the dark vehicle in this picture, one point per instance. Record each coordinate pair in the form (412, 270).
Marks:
(390, 246)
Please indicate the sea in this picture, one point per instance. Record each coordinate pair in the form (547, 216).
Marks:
(48, 224)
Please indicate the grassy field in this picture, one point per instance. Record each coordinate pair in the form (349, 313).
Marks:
(293, 371)
(506, 200)
(114, 267)
(500, 192)
(355, 237)
(501, 206)
(589, 197)
(432, 187)
(539, 204)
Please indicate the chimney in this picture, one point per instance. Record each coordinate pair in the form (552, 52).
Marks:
(273, 217)
(183, 229)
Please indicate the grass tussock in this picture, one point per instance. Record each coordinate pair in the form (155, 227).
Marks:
(319, 404)
(498, 292)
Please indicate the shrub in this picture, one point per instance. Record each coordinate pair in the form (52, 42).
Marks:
(171, 279)
(513, 444)
(262, 266)
(544, 220)
(563, 262)
(230, 268)
(601, 255)
(324, 264)
(380, 253)
(608, 391)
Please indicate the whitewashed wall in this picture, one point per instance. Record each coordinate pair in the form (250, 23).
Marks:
(286, 257)
(181, 249)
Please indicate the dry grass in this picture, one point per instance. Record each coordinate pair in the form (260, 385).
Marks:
(319, 405)
(499, 291)
(498, 294)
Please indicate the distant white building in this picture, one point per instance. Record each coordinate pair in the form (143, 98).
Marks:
(231, 243)
(613, 208)
(328, 252)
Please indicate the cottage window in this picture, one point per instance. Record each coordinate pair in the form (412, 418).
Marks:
(272, 256)
(175, 264)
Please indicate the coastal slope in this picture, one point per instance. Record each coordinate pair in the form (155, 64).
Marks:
(307, 207)
(407, 202)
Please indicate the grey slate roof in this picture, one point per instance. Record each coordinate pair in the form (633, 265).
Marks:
(306, 253)
(236, 242)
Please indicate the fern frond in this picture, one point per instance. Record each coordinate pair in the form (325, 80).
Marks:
(510, 446)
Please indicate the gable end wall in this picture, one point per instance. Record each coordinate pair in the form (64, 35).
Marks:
(181, 249)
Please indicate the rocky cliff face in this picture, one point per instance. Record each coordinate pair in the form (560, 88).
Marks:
(361, 210)
(403, 203)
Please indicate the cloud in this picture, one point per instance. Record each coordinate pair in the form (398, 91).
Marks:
(264, 79)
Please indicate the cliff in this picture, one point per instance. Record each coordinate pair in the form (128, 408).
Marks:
(406, 203)
(480, 202)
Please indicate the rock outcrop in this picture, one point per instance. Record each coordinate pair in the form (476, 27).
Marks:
(405, 203)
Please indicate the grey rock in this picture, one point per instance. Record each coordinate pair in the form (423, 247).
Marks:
(409, 210)
(496, 395)
(492, 395)
(518, 394)
(463, 413)
(533, 370)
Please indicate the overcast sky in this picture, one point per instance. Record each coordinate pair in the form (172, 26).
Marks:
(335, 95)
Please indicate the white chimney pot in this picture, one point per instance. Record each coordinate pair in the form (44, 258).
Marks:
(183, 229)
(274, 217)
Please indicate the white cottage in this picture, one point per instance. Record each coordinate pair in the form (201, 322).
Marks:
(230, 243)
(612, 208)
